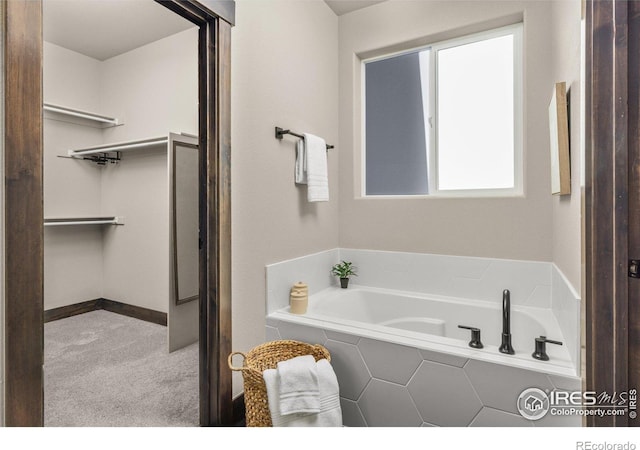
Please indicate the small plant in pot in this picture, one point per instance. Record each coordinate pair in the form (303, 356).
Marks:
(344, 270)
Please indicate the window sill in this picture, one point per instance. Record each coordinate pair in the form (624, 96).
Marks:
(450, 196)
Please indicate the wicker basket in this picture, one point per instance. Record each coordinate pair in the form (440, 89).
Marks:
(260, 358)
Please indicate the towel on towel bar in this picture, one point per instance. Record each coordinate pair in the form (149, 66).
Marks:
(317, 171)
(301, 162)
(311, 167)
(330, 414)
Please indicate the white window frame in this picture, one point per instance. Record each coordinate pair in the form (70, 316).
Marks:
(431, 120)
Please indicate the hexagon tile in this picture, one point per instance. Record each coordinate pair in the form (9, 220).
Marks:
(444, 395)
(385, 404)
(390, 362)
(350, 369)
(351, 415)
(489, 417)
(385, 384)
(499, 386)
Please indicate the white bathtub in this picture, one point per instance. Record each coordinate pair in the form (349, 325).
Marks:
(431, 322)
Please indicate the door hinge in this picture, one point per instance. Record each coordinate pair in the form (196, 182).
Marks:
(634, 268)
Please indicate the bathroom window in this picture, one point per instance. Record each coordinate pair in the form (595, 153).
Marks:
(446, 120)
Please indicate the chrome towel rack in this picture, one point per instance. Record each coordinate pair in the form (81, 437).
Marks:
(280, 132)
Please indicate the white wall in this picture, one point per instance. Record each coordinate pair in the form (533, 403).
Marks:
(154, 89)
(136, 255)
(284, 73)
(512, 228)
(566, 209)
(73, 255)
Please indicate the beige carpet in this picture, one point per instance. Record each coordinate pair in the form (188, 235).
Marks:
(104, 369)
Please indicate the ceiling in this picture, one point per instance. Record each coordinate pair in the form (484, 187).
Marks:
(341, 7)
(103, 29)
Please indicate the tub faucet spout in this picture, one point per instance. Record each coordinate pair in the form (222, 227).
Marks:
(506, 324)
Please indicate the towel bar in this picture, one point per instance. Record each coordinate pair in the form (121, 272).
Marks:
(280, 132)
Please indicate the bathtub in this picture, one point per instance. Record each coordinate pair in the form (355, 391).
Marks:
(403, 353)
(431, 322)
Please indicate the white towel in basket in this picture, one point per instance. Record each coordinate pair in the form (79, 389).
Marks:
(330, 414)
(298, 385)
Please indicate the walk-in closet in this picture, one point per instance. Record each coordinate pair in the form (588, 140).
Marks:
(120, 214)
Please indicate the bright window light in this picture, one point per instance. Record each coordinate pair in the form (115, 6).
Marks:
(475, 115)
(446, 119)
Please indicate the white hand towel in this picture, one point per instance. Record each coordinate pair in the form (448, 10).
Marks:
(317, 171)
(301, 162)
(298, 385)
(330, 414)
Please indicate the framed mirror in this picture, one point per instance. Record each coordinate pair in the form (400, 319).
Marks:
(185, 232)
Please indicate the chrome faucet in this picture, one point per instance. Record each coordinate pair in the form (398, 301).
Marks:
(506, 324)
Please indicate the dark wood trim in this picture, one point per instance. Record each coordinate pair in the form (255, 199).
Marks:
(634, 193)
(137, 312)
(606, 200)
(215, 218)
(214, 55)
(64, 312)
(225, 9)
(23, 235)
(222, 235)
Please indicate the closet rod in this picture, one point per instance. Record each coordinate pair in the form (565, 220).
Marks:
(81, 114)
(280, 132)
(80, 222)
(115, 220)
(119, 147)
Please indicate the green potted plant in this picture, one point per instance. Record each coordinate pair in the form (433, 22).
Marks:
(344, 270)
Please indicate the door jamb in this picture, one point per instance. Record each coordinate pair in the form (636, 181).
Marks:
(24, 233)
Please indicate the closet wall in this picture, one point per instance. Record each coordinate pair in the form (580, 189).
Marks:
(73, 255)
(153, 90)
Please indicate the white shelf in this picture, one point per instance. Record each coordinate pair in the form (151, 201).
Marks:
(120, 146)
(100, 119)
(67, 221)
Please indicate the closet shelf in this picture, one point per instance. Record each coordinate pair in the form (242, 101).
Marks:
(110, 153)
(119, 146)
(100, 119)
(61, 221)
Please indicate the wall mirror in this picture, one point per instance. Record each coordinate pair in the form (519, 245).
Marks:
(185, 235)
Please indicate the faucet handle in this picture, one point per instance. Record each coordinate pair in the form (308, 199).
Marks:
(475, 341)
(541, 349)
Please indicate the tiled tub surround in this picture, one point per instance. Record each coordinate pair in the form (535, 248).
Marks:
(538, 289)
(388, 384)
(391, 373)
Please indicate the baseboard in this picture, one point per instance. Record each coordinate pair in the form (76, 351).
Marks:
(71, 310)
(238, 415)
(137, 312)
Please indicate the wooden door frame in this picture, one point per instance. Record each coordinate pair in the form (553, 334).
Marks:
(24, 231)
(612, 199)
